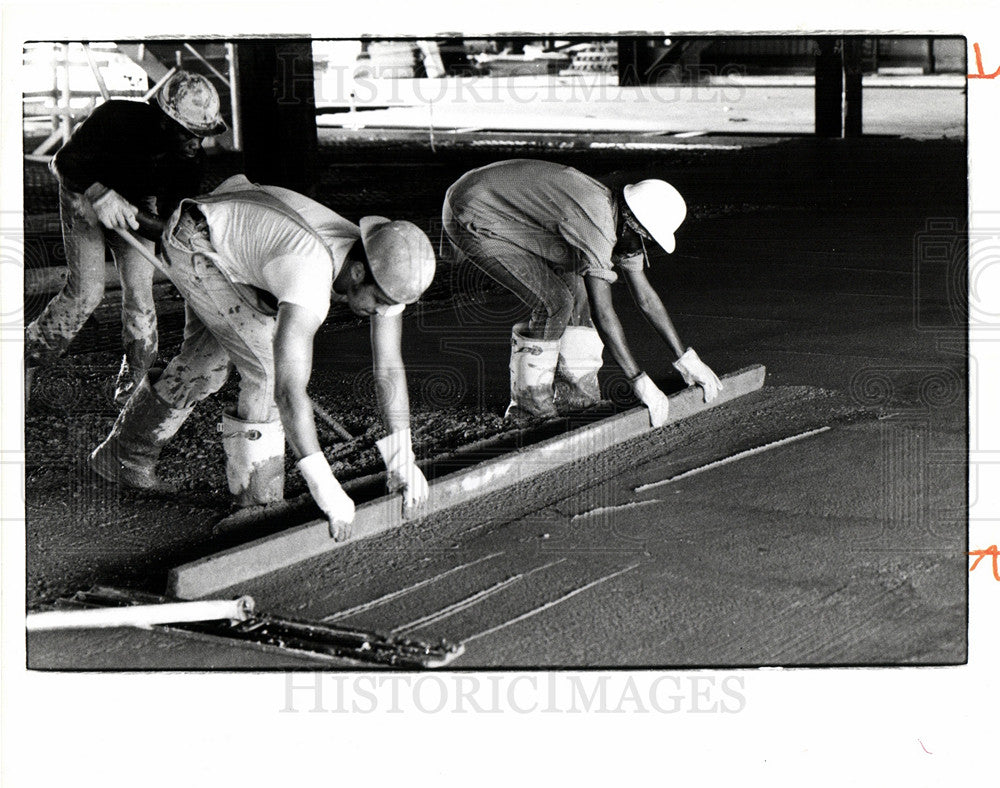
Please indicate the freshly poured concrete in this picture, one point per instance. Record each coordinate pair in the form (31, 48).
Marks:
(846, 547)
(799, 555)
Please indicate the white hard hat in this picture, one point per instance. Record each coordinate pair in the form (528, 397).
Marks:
(191, 100)
(659, 207)
(400, 257)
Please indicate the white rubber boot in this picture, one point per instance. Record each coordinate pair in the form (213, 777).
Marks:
(581, 356)
(255, 460)
(532, 371)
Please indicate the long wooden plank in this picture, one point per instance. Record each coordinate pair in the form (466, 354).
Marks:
(213, 573)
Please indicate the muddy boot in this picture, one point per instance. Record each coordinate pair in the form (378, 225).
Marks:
(128, 455)
(255, 460)
(580, 359)
(532, 369)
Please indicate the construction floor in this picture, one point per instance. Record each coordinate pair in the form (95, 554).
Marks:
(821, 260)
(916, 106)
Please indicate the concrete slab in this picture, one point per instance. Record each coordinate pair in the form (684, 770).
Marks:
(158, 648)
(205, 576)
(799, 555)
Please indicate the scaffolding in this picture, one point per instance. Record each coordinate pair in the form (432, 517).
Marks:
(67, 80)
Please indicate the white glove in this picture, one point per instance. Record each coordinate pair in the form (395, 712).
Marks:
(328, 494)
(697, 373)
(403, 474)
(114, 211)
(652, 398)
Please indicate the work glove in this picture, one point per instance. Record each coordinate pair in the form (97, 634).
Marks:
(403, 474)
(652, 398)
(328, 494)
(697, 373)
(115, 212)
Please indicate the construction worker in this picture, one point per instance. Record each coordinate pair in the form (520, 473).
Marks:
(125, 168)
(558, 239)
(258, 266)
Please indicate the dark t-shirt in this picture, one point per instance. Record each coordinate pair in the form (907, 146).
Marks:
(123, 146)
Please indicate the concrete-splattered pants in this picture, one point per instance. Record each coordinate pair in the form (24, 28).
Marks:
(555, 294)
(84, 239)
(224, 328)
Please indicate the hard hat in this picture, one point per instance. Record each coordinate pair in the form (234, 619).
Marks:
(191, 100)
(659, 207)
(400, 257)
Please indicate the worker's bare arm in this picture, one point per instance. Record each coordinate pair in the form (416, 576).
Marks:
(692, 369)
(610, 328)
(608, 325)
(293, 354)
(293, 351)
(390, 373)
(651, 305)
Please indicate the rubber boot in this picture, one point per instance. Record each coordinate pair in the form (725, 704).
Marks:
(532, 371)
(580, 359)
(128, 455)
(255, 459)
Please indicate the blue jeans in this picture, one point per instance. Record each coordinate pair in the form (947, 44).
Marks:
(555, 294)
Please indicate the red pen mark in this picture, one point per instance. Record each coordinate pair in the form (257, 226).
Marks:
(979, 66)
(924, 748)
(989, 551)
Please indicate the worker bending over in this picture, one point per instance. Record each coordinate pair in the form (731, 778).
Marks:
(125, 168)
(558, 239)
(258, 266)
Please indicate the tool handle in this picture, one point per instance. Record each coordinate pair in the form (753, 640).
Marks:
(331, 422)
(142, 615)
(136, 244)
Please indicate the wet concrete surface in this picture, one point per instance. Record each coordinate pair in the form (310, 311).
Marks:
(154, 649)
(844, 548)
(800, 555)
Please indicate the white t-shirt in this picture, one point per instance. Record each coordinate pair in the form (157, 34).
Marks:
(258, 246)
